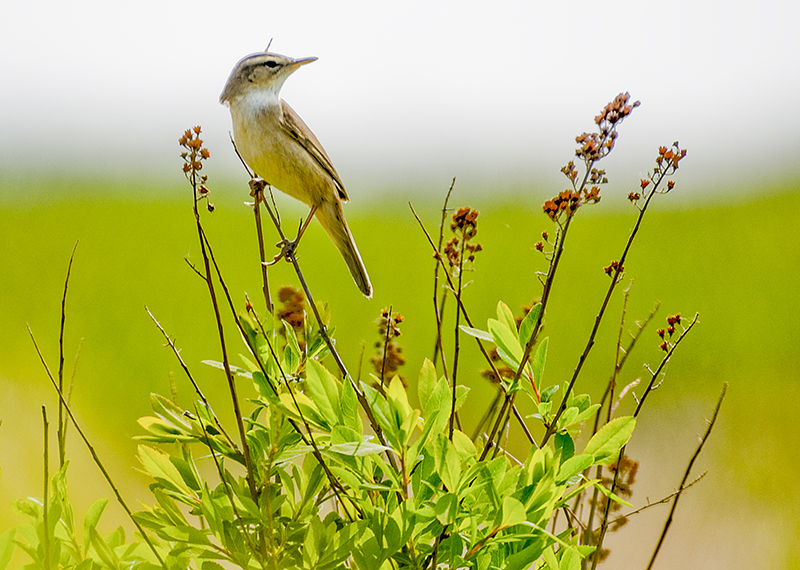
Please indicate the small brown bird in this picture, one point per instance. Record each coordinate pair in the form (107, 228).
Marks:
(282, 150)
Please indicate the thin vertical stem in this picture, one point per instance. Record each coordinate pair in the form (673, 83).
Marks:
(653, 378)
(456, 346)
(682, 486)
(46, 500)
(62, 428)
(207, 276)
(438, 307)
(262, 253)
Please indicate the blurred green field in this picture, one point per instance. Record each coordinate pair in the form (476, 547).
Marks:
(735, 262)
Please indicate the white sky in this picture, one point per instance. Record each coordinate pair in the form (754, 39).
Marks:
(410, 92)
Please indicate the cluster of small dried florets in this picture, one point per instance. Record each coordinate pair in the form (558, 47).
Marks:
(666, 334)
(568, 201)
(591, 148)
(667, 163)
(612, 268)
(193, 158)
(594, 146)
(460, 247)
(389, 356)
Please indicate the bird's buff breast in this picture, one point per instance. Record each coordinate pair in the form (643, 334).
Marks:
(277, 158)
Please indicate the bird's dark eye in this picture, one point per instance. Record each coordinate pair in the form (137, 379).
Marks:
(270, 63)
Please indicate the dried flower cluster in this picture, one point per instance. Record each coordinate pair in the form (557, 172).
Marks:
(591, 148)
(612, 267)
(293, 312)
(594, 146)
(667, 163)
(389, 356)
(193, 158)
(666, 334)
(460, 247)
(539, 245)
(668, 159)
(568, 201)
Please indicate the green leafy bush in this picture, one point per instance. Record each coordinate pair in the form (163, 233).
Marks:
(325, 470)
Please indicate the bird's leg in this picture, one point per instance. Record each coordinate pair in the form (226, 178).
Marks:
(287, 246)
(304, 226)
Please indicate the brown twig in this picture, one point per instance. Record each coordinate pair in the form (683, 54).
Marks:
(457, 336)
(620, 360)
(438, 307)
(682, 486)
(197, 389)
(386, 345)
(653, 378)
(336, 484)
(288, 253)
(94, 455)
(615, 279)
(661, 501)
(258, 194)
(250, 476)
(62, 431)
(463, 309)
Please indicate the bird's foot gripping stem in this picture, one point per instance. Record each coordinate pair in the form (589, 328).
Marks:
(287, 246)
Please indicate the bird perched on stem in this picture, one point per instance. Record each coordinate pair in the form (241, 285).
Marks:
(276, 143)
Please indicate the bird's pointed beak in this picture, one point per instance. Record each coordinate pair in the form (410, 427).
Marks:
(298, 62)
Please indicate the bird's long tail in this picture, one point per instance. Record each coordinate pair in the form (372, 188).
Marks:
(331, 217)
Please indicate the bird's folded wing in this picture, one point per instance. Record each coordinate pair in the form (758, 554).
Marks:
(299, 131)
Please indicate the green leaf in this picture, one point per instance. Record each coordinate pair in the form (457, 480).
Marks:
(506, 339)
(323, 391)
(448, 463)
(477, 333)
(505, 316)
(159, 466)
(103, 550)
(512, 362)
(436, 417)
(599, 486)
(550, 559)
(186, 534)
(568, 417)
(514, 512)
(446, 508)
(527, 324)
(6, 547)
(426, 383)
(380, 409)
(564, 446)
(294, 356)
(549, 392)
(581, 401)
(404, 415)
(607, 442)
(570, 559)
(235, 370)
(91, 519)
(349, 407)
(573, 466)
(587, 413)
(538, 361)
(358, 448)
